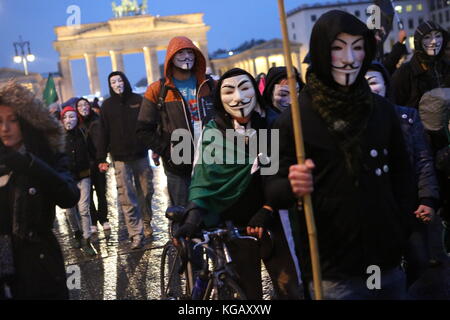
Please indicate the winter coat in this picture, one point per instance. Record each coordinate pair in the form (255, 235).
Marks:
(80, 151)
(157, 122)
(420, 156)
(360, 225)
(422, 73)
(118, 125)
(31, 195)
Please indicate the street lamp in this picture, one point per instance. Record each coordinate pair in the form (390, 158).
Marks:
(21, 57)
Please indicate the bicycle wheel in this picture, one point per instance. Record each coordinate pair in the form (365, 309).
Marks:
(228, 289)
(173, 284)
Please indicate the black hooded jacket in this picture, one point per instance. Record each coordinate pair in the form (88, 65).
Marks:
(422, 73)
(357, 224)
(274, 76)
(419, 151)
(118, 125)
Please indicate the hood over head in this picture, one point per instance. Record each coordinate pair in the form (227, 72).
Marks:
(274, 75)
(423, 29)
(127, 91)
(379, 67)
(220, 109)
(178, 43)
(325, 31)
(33, 115)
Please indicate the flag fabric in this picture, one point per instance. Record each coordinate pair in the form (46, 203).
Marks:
(216, 187)
(50, 96)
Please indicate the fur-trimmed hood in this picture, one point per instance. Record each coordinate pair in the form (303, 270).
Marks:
(31, 110)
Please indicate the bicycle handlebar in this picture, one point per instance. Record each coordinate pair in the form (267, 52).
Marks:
(233, 233)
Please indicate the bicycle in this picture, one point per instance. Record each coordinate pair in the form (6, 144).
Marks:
(177, 274)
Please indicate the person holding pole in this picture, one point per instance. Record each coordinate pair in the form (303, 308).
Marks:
(356, 171)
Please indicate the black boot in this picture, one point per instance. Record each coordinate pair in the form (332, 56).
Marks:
(87, 247)
(77, 239)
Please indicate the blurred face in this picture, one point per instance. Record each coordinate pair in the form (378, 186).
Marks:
(10, 132)
(117, 84)
(238, 97)
(281, 97)
(432, 42)
(376, 82)
(83, 108)
(184, 59)
(70, 120)
(347, 56)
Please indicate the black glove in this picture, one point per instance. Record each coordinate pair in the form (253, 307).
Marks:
(262, 218)
(13, 159)
(191, 225)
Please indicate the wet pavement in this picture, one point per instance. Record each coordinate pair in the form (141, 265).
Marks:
(123, 274)
(118, 272)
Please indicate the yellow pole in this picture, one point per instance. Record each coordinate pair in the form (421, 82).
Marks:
(300, 152)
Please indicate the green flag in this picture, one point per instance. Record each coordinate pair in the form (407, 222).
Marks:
(50, 96)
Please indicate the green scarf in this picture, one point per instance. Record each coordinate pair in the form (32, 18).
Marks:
(216, 187)
(346, 115)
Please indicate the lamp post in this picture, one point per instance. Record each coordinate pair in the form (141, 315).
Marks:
(21, 57)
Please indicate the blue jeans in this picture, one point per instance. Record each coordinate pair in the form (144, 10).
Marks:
(79, 216)
(393, 287)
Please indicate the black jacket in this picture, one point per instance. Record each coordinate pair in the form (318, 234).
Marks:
(420, 156)
(118, 126)
(391, 59)
(80, 150)
(423, 73)
(356, 226)
(91, 127)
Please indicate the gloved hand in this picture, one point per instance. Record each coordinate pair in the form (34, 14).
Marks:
(259, 222)
(13, 159)
(191, 224)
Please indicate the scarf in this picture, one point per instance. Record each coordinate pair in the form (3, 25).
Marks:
(345, 114)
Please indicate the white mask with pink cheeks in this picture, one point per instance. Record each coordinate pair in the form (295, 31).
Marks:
(184, 59)
(432, 42)
(238, 96)
(84, 109)
(70, 120)
(376, 82)
(347, 57)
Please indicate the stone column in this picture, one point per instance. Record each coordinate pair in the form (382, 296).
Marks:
(66, 74)
(92, 71)
(151, 64)
(203, 46)
(267, 64)
(254, 67)
(117, 61)
(251, 67)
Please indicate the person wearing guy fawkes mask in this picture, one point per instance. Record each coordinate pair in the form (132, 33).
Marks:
(427, 69)
(180, 100)
(80, 150)
(222, 191)
(134, 176)
(276, 93)
(90, 124)
(418, 254)
(358, 170)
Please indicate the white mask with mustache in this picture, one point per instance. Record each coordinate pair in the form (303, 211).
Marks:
(347, 56)
(238, 97)
(432, 42)
(70, 120)
(184, 59)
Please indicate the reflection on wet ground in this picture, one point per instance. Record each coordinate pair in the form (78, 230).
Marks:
(117, 272)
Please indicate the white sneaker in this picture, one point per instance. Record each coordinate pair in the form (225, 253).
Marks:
(94, 229)
(106, 226)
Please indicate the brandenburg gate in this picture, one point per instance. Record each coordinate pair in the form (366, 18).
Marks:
(141, 33)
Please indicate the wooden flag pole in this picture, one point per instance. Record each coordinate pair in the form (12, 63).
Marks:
(300, 152)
